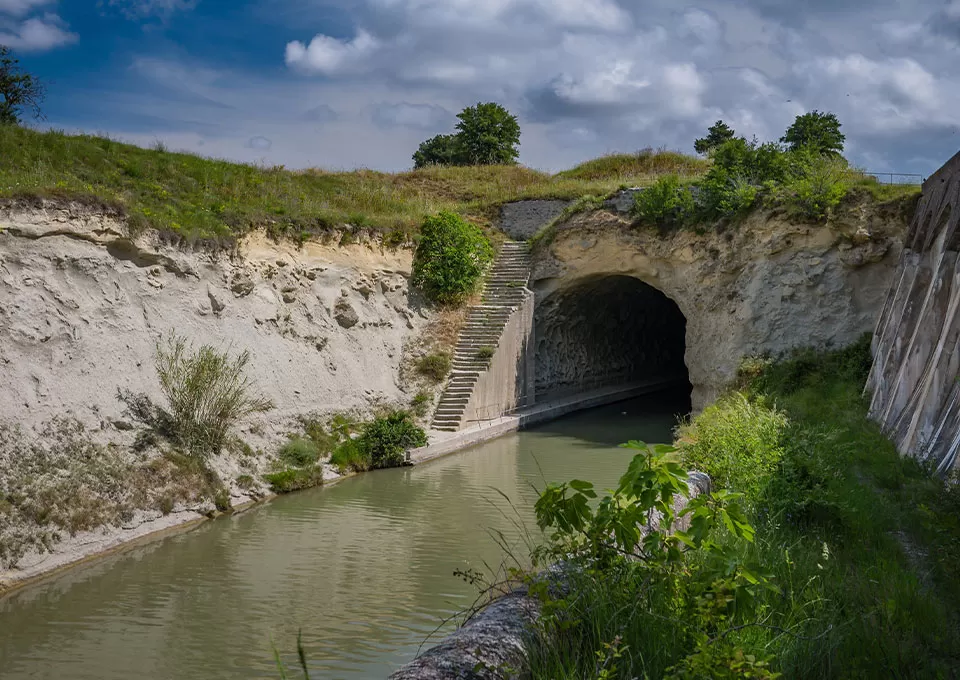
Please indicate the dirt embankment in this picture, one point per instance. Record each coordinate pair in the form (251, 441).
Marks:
(82, 306)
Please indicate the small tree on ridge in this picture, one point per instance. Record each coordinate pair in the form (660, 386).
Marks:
(717, 134)
(18, 90)
(817, 131)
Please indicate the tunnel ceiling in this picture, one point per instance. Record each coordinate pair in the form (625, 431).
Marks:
(606, 330)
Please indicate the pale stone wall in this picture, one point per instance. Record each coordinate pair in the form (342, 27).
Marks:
(915, 379)
(765, 286)
(508, 382)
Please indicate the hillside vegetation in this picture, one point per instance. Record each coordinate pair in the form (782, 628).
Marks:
(200, 198)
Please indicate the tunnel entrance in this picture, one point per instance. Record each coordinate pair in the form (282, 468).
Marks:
(604, 331)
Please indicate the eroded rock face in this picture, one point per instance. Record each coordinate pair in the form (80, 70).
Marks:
(82, 306)
(915, 378)
(765, 286)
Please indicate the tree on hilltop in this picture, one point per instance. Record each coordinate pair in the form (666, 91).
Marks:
(817, 131)
(440, 150)
(19, 90)
(487, 134)
(490, 134)
(717, 134)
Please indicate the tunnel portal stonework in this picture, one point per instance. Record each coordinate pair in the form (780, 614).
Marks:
(764, 287)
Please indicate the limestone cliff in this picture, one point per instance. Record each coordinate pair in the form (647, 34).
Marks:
(82, 305)
(764, 286)
(915, 379)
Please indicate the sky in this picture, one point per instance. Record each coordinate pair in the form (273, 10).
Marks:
(343, 84)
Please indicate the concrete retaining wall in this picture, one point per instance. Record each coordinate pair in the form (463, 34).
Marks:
(915, 378)
(508, 382)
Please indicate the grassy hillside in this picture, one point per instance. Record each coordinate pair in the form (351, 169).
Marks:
(197, 197)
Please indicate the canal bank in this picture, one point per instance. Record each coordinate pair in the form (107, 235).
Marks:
(92, 545)
(365, 567)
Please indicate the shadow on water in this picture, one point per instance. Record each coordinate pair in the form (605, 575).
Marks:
(650, 418)
(365, 567)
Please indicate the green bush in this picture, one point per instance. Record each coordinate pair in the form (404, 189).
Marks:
(207, 393)
(665, 204)
(299, 452)
(349, 456)
(819, 188)
(450, 258)
(737, 441)
(435, 366)
(387, 438)
(294, 479)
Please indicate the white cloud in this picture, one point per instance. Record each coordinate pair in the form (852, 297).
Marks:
(38, 34)
(420, 116)
(141, 9)
(585, 77)
(18, 8)
(329, 55)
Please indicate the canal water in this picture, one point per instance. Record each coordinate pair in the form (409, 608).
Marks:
(364, 568)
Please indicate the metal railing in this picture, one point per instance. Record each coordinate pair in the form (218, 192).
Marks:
(895, 177)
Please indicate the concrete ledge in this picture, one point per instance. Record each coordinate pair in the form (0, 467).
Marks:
(445, 443)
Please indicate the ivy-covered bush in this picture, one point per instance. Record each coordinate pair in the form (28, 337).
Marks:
(450, 258)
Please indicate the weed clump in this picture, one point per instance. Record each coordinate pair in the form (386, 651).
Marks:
(435, 366)
(295, 479)
(300, 452)
(207, 393)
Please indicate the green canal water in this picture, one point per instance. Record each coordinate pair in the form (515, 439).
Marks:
(364, 568)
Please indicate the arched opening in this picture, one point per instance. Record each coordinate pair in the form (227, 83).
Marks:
(604, 331)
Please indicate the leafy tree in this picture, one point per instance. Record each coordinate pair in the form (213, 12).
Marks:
(18, 90)
(450, 258)
(440, 150)
(489, 134)
(717, 134)
(816, 130)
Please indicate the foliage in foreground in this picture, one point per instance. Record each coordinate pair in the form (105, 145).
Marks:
(857, 545)
(207, 393)
(450, 258)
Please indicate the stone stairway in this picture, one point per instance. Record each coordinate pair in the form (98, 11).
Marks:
(503, 291)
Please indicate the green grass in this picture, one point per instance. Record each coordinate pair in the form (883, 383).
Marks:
(202, 198)
(862, 544)
(295, 479)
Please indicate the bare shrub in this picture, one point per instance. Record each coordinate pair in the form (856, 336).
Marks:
(206, 391)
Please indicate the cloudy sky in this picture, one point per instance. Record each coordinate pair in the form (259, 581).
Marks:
(359, 83)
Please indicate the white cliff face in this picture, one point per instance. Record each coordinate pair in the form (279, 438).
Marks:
(915, 379)
(765, 286)
(82, 306)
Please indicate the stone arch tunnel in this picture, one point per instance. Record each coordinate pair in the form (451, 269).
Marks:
(606, 330)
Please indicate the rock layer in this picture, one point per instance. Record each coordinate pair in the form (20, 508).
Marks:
(915, 378)
(82, 305)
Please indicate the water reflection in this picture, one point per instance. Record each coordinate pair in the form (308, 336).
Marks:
(365, 568)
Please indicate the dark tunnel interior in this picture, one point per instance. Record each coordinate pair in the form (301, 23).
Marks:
(605, 331)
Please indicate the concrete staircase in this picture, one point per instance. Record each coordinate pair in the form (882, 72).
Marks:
(503, 291)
